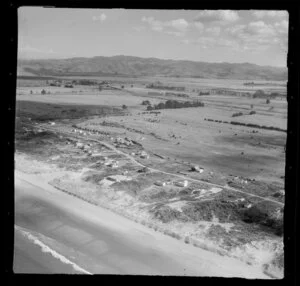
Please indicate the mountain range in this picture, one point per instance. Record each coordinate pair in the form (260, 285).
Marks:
(136, 67)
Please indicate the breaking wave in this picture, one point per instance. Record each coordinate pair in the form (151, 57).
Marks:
(45, 248)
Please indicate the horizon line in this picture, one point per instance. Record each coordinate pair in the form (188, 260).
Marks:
(120, 55)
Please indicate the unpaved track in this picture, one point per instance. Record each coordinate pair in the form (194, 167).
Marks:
(100, 241)
(157, 170)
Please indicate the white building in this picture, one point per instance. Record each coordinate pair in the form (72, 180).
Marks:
(183, 183)
(159, 183)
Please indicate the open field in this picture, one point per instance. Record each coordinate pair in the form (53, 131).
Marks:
(140, 163)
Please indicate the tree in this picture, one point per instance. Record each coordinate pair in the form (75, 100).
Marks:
(267, 101)
(124, 106)
(149, 108)
(259, 93)
(43, 91)
(146, 102)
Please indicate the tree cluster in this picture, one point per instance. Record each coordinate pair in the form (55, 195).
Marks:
(173, 104)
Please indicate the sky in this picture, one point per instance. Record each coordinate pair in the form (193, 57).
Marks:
(253, 36)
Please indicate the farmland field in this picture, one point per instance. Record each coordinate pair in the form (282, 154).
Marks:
(238, 142)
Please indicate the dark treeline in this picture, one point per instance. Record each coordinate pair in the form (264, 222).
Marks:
(173, 104)
(247, 125)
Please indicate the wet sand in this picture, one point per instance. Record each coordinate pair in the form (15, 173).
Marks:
(102, 242)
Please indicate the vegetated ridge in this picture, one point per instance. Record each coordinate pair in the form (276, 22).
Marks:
(135, 66)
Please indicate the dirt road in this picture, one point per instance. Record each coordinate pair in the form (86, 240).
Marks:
(160, 171)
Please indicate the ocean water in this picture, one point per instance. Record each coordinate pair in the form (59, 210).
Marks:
(53, 262)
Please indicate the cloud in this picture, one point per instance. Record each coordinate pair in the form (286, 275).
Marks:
(212, 42)
(179, 25)
(259, 35)
(29, 49)
(199, 26)
(214, 31)
(100, 18)
(221, 16)
(260, 28)
(282, 27)
(139, 28)
(271, 14)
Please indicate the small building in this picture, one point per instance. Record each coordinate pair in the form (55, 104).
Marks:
(183, 183)
(145, 156)
(196, 168)
(79, 144)
(160, 184)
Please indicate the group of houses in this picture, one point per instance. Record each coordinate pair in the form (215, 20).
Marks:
(180, 183)
(120, 142)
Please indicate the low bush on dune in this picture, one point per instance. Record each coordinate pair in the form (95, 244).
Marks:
(265, 217)
(225, 211)
(132, 187)
(167, 214)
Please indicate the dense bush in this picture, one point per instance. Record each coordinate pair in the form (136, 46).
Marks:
(237, 114)
(259, 93)
(172, 104)
(84, 82)
(149, 108)
(146, 102)
(167, 214)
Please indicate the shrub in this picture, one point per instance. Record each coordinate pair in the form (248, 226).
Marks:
(146, 102)
(252, 112)
(124, 106)
(237, 114)
(149, 108)
(259, 93)
(255, 214)
(187, 239)
(267, 101)
(43, 91)
(172, 104)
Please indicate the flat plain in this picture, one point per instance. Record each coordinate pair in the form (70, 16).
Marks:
(211, 176)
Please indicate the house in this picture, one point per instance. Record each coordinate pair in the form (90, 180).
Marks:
(160, 184)
(183, 183)
(112, 164)
(196, 168)
(143, 155)
(79, 145)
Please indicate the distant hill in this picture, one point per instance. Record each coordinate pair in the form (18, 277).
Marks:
(134, 66)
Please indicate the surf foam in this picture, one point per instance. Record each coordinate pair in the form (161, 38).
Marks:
(45, 248)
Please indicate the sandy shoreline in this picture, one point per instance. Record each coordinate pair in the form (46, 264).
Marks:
(187, 259)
